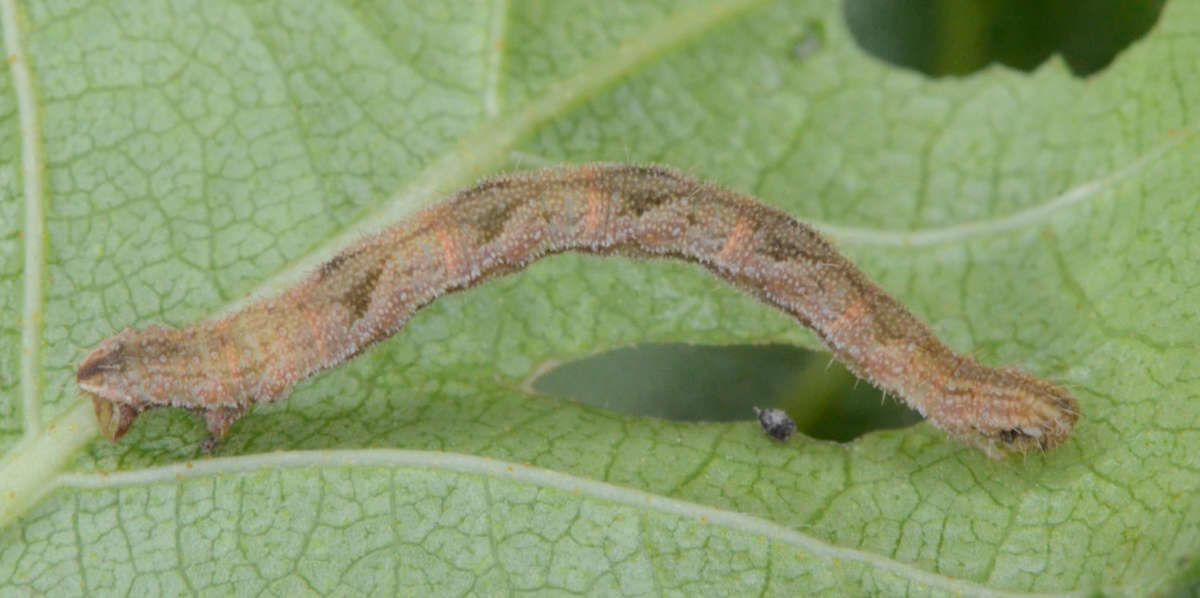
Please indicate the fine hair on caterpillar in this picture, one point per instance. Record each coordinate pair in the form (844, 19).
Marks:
(368, 291)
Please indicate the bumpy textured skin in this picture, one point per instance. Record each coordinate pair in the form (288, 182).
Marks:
(369, 291)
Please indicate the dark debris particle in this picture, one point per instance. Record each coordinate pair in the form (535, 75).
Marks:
(210, 445)
(776, 423)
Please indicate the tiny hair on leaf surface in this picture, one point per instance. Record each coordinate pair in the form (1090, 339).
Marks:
(193, 159)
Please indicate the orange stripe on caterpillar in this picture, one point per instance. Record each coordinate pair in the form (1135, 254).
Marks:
(369, 291)
(231, 358)
(314, 332)
(450, 252)
(595, 211)
(849, 316)
(742, 233)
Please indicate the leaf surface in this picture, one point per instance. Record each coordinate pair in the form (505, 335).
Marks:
(180, 157)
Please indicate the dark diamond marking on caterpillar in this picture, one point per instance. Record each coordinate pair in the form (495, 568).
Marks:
(358, 296)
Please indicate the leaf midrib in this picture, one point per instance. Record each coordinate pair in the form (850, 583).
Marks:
(34, 227)
(532, 476)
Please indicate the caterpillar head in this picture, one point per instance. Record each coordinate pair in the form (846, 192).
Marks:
(113, 375)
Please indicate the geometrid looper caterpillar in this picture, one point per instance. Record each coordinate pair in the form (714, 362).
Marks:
(366, 293)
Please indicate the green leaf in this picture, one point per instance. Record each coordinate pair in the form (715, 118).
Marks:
(161, 162)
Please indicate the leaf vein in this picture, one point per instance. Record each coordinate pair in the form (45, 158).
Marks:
(542, 478)
(33, 165)
(1021, 220)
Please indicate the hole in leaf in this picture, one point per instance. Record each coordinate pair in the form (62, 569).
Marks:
(701, 383)
(958, 37)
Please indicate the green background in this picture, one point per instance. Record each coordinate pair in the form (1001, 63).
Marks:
(163, 162)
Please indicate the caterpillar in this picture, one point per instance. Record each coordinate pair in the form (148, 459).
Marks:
(367, 292)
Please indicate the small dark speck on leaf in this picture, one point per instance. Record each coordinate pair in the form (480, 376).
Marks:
(776, 423)
(811, 40)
